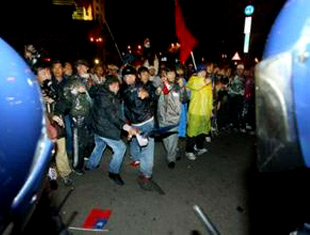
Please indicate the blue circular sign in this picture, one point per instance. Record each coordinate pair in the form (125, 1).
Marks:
(249, 10)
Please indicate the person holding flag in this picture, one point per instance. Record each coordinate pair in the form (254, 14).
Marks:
(199, 112)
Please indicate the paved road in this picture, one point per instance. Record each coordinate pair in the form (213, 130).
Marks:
(216, 181)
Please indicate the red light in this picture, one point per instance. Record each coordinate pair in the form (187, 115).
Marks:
(91, 39)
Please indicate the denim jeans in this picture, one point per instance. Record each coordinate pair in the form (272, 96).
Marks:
(144, 154)
(118, 147)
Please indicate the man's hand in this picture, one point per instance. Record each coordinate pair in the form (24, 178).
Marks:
(207, 81)
(133, 131)
(159, 90)
(48, 100)
(142, 94)
(58, 120)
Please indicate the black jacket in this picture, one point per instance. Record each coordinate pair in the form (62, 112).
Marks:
(106, 113)
(58, 86)
(136, 109)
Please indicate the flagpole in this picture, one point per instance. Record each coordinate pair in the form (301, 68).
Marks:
(119, 53)
(193, 58)
(88, 229)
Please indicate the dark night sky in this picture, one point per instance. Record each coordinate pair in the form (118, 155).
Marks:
(218, 24)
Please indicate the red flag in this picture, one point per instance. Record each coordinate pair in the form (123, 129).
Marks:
(97, 219)
(187, 40)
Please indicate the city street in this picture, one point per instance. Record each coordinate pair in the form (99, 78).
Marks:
(78, 76)
(216, 182)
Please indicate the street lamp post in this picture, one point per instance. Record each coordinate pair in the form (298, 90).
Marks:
(98, 42)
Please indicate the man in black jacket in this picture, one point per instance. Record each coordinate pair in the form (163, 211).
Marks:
(107, 124)
(139, 110)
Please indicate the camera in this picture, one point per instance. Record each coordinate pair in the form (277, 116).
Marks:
(48, 89)
(31, 54)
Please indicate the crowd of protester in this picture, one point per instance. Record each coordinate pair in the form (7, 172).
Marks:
(91, 108)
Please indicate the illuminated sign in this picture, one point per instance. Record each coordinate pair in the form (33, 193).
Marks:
(64, 2)
(246, 43)
(247, 24)
(249, 10)
(82, 13)
(247, 32)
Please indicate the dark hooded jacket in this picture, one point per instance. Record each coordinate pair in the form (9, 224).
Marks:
(136, 109)
(106, 115)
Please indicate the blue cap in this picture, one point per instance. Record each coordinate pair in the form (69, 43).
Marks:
(201, 67)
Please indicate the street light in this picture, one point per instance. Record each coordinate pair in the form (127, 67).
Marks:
(96, 61)
(93, 39)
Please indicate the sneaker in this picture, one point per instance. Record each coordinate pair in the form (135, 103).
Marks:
(116, 178)
(190, 156)
(242, 130)
(171, 165)
(201, 151)
(67, 180)
(135, 164)
(78, 171)
(208, 139)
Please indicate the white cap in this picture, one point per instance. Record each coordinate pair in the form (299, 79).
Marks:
(240, 66)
